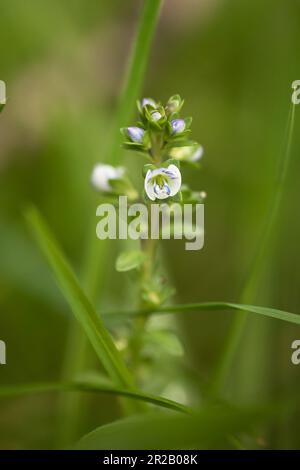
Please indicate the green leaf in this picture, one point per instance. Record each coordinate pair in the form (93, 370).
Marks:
(129, 260)
(171, 161)
(156, 293)
(180, 136)
(176, 198)
(188, 121)
(148, 166)
(79, 303)
(134, 146)
(191, 197)
(265, 311)
(123, 186)
(209, 428)
(157, 341)
(9, 391)
(124, 132)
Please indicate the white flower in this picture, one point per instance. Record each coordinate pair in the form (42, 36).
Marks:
(187, 153)
(136, 134)
(178, 125)
(162, 182)
(101, 175)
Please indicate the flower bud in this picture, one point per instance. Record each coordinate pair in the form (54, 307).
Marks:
(136, 134)
(174, 104)
(178, 126)
(189, 153)
(156, 116)
(197, 154)
(149, 101)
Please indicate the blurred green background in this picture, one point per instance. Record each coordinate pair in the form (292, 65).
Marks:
(233, 61)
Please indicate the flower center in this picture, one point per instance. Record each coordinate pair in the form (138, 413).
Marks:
(161, 187)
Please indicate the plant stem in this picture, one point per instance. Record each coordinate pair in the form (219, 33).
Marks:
(149, 246)
(263, 251)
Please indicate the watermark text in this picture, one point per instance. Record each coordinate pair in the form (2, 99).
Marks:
(2, 352)
(153, 221)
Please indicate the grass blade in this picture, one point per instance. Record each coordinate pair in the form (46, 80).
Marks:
(239, 322)
(10, 391)
(195, 307)
(135, 72)
(79, 303)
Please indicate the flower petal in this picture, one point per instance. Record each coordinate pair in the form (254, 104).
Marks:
(149, 186)
(162, 192)
(174, 181)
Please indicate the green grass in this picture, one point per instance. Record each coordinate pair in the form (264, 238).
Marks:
(208, 306)
(80, 305)
(10, 391)
(263, 253)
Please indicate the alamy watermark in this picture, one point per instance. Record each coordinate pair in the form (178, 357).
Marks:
(2, 93)
(295, 357)
(296, 92)
(2, 352)
(2, 104)
(152, 221)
